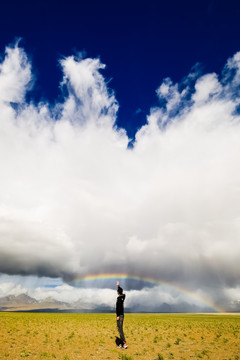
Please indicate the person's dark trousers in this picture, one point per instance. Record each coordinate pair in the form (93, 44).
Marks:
(120, 327)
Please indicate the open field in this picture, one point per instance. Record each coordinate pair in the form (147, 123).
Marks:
(91, 336)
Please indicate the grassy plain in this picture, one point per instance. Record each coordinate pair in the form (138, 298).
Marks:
(92, 336)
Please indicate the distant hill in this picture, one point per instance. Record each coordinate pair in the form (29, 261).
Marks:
(15, 300)
(24, 302)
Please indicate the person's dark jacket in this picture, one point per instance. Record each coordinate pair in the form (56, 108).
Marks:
(119, 305)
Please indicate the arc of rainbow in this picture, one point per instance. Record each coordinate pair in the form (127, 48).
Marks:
(117, 276)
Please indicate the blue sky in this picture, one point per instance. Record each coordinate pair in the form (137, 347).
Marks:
(75, 199)
(141, 42)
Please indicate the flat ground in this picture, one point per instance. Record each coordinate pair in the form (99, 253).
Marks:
(92, 336)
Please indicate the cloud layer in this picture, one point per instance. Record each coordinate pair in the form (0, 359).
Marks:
(75, 200)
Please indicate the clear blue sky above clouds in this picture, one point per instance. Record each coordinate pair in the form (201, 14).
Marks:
(141, 42)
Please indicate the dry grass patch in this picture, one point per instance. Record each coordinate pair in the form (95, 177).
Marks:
(92, 336)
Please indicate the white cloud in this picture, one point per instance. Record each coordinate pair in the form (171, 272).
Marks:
(92, 298)
(15, 75)
(206, 87)
(75, 200)
(10, 288)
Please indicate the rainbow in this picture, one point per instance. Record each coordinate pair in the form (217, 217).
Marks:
(116, 276)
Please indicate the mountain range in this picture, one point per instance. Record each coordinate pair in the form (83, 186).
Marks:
(25, 303)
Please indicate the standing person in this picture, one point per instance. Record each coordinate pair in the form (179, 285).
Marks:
(120, 314)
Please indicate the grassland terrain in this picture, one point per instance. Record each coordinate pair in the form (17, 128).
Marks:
(92, 336)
